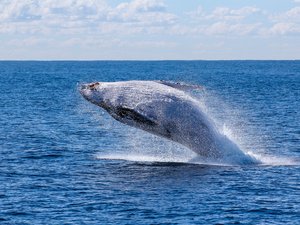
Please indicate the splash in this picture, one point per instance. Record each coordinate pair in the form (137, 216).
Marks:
(140, 158)
(233, 124)
(265, 160)
(145, 147)
(148, 148)
(273, 160)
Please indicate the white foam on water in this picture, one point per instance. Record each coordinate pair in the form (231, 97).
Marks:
(192, 158)
(158, 159)
(140, 158)
(272, 160)
(144, 147)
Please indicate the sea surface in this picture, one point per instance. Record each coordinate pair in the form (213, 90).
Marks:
(66, 161)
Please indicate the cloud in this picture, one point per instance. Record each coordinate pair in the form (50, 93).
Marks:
(224, 13)
(71, 15)
(142, 6)
(147, 12)
(224, 28)
(292, 15)
(97, 17)
(45, 16)
(247, 20)
(285, 28)
(224, 21)
(286, 22)
(86, 26)
(31, 10)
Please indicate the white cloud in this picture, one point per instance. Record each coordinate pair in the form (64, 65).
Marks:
(142, 6)
(29, 10)
(75, 17)
(286, 22)
(142, 11)
(223, 28)
(63, 15)
(224, 21)
(292, 15)
(224, 13)
(285, 28)
(86, 26)
(245, 21)
(45, 16)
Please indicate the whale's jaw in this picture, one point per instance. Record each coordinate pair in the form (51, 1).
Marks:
(85, 91)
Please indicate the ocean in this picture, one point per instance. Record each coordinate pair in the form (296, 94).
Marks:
(66, 161)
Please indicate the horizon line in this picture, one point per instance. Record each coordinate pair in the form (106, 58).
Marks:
(141, 60)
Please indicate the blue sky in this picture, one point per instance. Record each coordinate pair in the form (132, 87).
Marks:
(149, 29)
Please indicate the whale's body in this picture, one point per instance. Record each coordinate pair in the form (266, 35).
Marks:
(163, 109)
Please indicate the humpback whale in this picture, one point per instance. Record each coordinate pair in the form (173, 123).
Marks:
(164, 109)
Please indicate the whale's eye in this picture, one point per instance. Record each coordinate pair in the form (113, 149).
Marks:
(133, 115)
(93, 86)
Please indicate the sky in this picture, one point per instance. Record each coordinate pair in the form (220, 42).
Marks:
(149, 29)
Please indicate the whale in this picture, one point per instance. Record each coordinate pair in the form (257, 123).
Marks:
(165, 109)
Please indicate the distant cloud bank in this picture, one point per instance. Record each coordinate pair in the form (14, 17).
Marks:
(139, 25)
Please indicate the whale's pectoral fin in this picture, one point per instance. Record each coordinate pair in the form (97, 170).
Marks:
(180, 85)
(128, 113)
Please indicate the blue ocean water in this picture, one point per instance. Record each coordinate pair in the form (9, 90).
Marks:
(65, 161)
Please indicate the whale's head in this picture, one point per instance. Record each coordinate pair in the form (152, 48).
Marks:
(96, 93)
(141, 104)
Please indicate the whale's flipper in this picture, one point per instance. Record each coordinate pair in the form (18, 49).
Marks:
(180, 85)
(122, 112)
